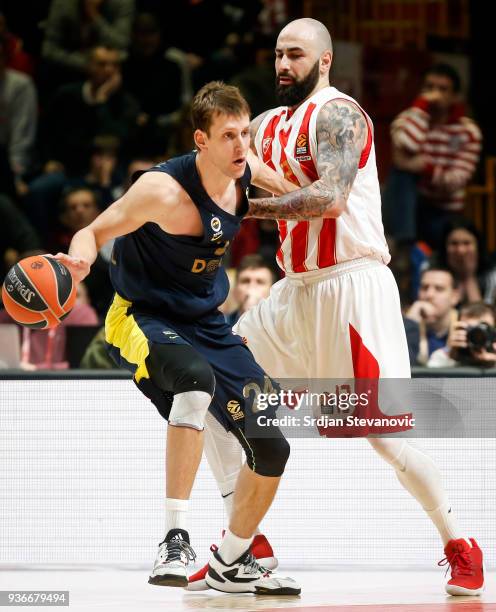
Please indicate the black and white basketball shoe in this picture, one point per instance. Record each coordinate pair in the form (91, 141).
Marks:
(245, 575)
(174, 554)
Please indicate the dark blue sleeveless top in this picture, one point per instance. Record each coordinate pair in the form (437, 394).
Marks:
(180, 276)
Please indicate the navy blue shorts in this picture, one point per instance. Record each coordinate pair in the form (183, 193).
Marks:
(239, 379)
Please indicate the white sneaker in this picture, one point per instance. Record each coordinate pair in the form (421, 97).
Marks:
(245, 575)
(260, 548)
(174, 554)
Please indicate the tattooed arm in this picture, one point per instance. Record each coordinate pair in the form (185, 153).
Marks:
(341, 135)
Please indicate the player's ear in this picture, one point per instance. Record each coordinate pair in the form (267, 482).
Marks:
(200, 139)
(325, 61)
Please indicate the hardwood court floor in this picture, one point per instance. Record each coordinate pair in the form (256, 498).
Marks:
(104, 589)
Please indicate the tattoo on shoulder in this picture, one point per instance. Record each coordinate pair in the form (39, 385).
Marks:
(341, 135)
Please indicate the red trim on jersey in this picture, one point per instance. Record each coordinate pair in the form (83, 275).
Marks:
(307, 165)
(269, 132)
(282, 225)
(299, 234)
(368, 145)
(326, 255)
(299, 244)
(283, 160)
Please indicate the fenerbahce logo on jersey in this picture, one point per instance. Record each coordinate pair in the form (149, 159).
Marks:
(216, 226)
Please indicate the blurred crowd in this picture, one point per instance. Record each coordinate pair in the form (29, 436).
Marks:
(102, 90)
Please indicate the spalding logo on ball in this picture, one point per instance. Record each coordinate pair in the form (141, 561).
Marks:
(38, 292)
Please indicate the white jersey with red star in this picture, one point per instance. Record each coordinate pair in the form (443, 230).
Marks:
(288, 144)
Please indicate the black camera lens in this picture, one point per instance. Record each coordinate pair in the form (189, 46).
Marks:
(480, 337)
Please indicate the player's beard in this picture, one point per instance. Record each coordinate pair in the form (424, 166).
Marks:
(291, 95)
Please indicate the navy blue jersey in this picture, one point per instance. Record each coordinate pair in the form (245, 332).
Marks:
(181, 276)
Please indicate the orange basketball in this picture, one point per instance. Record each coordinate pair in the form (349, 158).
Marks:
(38, 292)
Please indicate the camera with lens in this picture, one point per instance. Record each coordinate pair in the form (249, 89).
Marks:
(479, 337)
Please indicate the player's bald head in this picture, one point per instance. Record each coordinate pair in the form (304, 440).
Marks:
(307, 32)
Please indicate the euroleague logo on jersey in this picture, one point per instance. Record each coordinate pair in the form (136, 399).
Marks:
(301, 148)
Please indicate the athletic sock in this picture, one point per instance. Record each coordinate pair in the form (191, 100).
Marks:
(445, 521)
(176, 514)
(232, 547)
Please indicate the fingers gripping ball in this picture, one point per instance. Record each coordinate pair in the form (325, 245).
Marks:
(38, 292)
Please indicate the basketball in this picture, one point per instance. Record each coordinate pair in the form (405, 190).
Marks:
(38, 292)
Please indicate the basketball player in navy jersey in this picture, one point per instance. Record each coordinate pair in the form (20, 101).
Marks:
(172, 228)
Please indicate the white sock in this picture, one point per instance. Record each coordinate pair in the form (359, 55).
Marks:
(228, 505)
(176, 514)
(232, 547)
(447, 525)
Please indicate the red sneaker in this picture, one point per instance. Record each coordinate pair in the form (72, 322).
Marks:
(467, 568)
(261, 550)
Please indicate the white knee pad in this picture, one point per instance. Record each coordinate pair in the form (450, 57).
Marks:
(416, 471)
(224, 454)
(189, 409)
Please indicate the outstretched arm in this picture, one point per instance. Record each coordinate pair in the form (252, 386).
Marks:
(145, 201)
(341, 136)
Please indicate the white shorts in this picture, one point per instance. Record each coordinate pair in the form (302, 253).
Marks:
(340, 322)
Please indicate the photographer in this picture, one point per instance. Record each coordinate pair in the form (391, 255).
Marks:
(472, 340)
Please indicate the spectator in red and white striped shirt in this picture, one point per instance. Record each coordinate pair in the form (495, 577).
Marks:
(437, 144)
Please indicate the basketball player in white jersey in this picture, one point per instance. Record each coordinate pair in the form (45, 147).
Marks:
(336, 314)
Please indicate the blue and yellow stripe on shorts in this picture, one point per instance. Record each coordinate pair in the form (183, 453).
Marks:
(128, 344)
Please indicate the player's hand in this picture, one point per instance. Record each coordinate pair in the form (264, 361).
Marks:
(77, 266)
